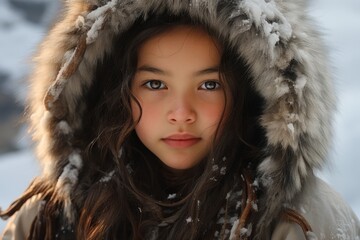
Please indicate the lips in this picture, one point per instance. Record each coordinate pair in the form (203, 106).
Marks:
(181, 140)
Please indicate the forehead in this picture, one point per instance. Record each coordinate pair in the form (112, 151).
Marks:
(183, 42)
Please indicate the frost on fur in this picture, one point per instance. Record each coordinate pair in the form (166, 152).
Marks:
(267, 18)
(97, 18)
(67, 181)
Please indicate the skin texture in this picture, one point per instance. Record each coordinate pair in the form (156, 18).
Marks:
(178, 86)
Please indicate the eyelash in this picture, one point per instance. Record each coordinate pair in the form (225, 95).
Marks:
(148, 84)
(217, 85)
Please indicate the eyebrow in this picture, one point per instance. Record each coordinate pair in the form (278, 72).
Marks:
(151, 69)
(147, 68)
(209, 70)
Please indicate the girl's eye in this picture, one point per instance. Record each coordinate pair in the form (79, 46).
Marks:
(155, 84)
(210, 85)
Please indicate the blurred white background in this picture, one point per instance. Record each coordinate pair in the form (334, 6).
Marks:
(23, 23)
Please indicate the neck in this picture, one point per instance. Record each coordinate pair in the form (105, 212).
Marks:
(179, 179)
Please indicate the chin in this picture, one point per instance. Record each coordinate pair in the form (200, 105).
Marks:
(181, 165)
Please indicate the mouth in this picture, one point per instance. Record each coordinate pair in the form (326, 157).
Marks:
(181, 140)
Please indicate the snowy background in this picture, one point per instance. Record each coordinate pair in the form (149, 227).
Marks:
(23, 23)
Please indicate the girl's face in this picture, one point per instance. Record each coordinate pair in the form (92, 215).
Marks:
(178, 87)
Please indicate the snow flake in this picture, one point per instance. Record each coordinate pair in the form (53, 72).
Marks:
(233, 229)
(223, 171)
(238, 205)
(163, 224)
(233, 220)
(214, 179)
(228, 195)
(242, 177)
(243, 231)
(246, 231)
(189, 220)
(254, 206)
(215, 167)
(171, 196)
(107, 177)
(255, 183)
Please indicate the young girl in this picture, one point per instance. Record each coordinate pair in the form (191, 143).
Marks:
(181, 120)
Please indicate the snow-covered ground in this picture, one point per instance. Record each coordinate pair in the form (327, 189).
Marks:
(18, 40)
(341, 20)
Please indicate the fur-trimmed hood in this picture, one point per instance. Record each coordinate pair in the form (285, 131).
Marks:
(277, 40)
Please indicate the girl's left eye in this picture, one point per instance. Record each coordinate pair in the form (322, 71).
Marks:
(155, 84)
(210, 85)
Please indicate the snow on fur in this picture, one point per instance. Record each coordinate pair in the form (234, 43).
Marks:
(67, 182)
(266, 16)
(97, 17)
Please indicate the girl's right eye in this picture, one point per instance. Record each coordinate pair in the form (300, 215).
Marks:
(154, 84)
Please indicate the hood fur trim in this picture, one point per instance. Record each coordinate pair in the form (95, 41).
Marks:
(276, 39)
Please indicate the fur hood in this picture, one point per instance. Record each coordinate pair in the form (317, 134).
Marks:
(278, 41)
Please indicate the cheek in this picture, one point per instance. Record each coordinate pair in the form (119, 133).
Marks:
(150, 105)
(150, 111)
(210, 119)
(214, 115)
(150, 114)
(213, 100)
(214, 120)
(214, 111)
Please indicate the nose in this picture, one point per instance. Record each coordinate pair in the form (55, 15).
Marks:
(182, 112)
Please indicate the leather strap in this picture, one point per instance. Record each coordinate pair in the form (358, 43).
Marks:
(291, 215)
